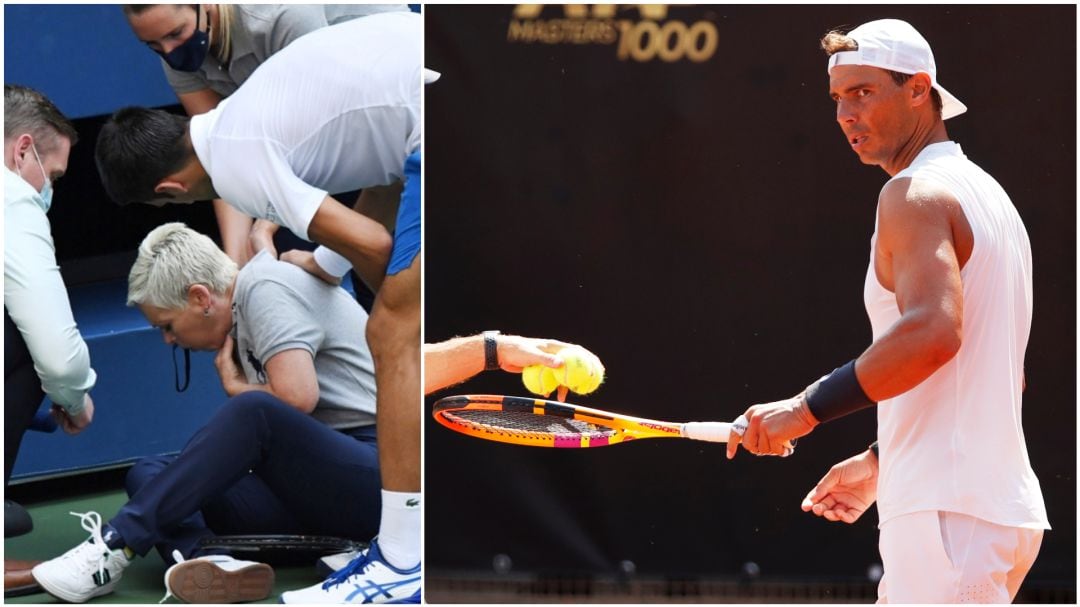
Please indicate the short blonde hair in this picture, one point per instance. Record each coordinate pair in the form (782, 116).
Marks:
(172, 258)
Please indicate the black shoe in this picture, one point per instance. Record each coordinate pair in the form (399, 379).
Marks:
(17, 520)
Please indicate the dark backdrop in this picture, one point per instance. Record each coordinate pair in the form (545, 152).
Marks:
(704, 228)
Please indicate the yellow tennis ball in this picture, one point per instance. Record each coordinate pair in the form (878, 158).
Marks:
(539, 379)
(581, 372)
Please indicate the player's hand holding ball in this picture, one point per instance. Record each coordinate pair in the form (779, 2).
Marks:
(581, 372)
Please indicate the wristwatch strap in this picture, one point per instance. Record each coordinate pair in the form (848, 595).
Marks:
(491, 351)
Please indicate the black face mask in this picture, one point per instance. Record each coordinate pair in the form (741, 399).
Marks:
(189, 56)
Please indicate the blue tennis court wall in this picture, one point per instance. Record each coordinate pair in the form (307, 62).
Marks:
(82, 57)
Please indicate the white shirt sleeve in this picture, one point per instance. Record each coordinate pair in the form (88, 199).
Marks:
(37, 301)
(255, 177)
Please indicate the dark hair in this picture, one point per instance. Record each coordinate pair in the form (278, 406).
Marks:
(137, 148)
(28, 111)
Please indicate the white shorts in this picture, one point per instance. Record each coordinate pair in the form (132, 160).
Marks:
(945, 557)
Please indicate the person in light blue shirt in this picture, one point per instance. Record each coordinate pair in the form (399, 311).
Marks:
(43, 350)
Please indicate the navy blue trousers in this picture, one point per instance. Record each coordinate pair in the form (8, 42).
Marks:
(258, 466)
(22, 393)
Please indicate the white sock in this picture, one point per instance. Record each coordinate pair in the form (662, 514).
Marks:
(399, 529)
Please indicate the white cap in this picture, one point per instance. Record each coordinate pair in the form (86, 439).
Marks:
(430, 76)
(892, 44)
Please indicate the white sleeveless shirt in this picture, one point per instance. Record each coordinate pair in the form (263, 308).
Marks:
(955, 442)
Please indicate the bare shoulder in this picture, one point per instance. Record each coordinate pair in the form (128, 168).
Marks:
(919, 213)
(914, 195)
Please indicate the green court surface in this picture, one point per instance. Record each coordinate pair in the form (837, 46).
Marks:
(56, 531)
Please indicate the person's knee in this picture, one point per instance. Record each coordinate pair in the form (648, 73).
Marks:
(143, 471)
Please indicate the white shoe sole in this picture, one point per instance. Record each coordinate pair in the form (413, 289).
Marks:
(204, 582)
(65, 596)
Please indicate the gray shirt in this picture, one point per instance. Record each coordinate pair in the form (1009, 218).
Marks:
(277, 306)
(260, 30)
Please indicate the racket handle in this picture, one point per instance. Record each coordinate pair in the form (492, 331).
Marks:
(714, 432)
(740, 424)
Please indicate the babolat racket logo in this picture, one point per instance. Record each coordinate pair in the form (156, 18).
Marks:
(660, 428)
(652, 35)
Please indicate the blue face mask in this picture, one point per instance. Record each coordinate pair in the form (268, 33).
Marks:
(46, 190)
(189, 56)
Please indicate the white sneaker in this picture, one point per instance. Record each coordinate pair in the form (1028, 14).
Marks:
(335, 562)
(88, 570)
(367, 579)
(217, 578)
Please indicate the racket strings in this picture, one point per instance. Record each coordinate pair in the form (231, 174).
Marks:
(526, 424)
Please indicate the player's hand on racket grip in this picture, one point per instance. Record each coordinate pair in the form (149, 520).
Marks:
(723, 432)
(771, 429)
(846, 491)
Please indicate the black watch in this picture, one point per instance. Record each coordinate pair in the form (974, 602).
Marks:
(491, 351)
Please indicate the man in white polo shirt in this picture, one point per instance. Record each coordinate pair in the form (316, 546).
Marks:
(43, 350)
(949, 294)
(335, 111)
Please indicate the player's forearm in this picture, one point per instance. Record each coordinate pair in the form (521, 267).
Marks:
(381, 204)
(371, 267)
(234, 228)
(361, 240)
(911, 351)
(452, 362)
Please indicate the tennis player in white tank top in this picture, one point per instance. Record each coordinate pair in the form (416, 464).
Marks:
(949, 295)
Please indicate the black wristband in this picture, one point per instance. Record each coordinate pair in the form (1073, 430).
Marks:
(491, 351)
(837, 395)
(874, 448)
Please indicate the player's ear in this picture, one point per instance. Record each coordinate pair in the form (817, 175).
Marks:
(919, 88)
(171, 187)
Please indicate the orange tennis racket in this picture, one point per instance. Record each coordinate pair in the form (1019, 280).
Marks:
(545, 423)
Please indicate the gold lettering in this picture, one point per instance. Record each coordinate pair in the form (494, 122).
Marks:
(710, 38)
(656, 12)
(672, 30)
(623, 52)
(604, 11)
(527, 11)
(641, 40)
(576, 11)
(520, 31)
(557, 31)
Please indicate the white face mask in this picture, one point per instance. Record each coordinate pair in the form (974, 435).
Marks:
(46, 190)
